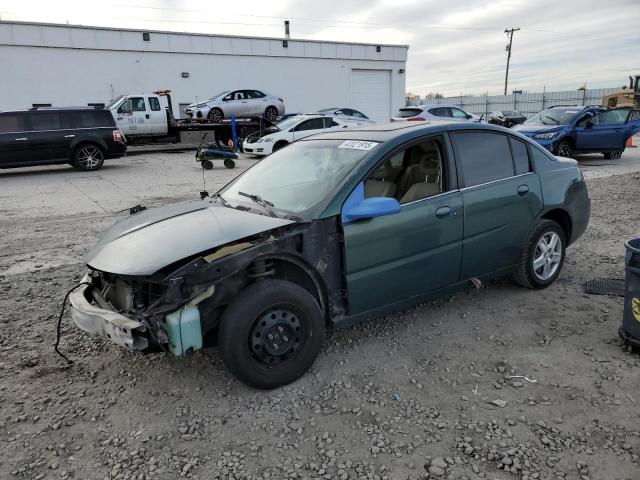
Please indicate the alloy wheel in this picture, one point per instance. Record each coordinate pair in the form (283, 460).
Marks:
(547, 256)
(271, 114)
(564, 150)
(89, 157)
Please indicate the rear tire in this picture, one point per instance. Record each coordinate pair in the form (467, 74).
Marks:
(564, 149)
(271, 113)
(271, 333)
(612, 155)
(538, 268)
(88, 157)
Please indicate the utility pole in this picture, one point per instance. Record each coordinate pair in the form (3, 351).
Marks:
(509, 32)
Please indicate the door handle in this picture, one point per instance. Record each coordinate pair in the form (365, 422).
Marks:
(444, 212)
(146, 116)
(21, 139)
(69, 136)
(522, 189)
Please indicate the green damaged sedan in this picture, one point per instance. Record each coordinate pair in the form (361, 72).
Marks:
(336, 228)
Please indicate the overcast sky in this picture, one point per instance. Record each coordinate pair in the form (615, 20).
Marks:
(455, 46)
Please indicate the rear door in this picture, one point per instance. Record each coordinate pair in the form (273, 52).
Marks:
(158, 117)
(501, 196)
(604, 131)
(14, 140)
(256, 102)
(51, 135)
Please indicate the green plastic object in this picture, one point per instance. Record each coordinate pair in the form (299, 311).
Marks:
(184, 331)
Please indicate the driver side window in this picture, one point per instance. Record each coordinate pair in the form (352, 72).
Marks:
(457, 113)
(412, 174)
(313, 124)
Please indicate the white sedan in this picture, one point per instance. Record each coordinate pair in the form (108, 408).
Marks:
(290, 130)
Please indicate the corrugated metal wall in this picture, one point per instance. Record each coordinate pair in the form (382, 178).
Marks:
(527, 103)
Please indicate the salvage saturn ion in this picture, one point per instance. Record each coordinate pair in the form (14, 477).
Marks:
(335, 228)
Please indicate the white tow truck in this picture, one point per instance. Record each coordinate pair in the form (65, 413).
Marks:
(148, 118)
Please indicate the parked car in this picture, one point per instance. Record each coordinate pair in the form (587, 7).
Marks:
(347, 115)
(336, 228)
(241, 103)
(506, 118)
(290, 130)
(82, 137)
(565, 130)
(433, 112)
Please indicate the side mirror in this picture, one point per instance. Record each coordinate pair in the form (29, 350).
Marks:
(469, 116)
(589, 124)
(356, 207)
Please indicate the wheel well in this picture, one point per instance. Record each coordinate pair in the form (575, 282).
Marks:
(288, 270)
(281, 142)
(562, 218)
(569, 140)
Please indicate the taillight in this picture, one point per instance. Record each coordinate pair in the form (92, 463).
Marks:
(117, 136)
(415, 119)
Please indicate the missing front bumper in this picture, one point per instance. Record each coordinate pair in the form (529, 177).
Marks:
(105, 323)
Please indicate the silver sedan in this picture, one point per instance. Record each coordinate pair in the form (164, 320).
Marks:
(241, 103)
(347, 115)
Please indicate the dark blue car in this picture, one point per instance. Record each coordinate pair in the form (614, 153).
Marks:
(565, 130)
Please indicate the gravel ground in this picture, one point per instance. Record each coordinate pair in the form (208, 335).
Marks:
(495, 383)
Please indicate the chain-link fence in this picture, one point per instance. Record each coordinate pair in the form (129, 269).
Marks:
(526, 103)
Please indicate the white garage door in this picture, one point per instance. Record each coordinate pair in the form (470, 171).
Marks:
(371, 93)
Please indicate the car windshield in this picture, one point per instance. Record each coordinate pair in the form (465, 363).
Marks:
(113, 102)
(511, 113)
(221, 94)
(554, 116)
(327, 110)
(299, 178)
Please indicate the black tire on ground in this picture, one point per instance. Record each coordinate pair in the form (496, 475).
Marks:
(564, 149)
(279, 145)
(88, 157)
(229, 163)
(215, 114)
(527, 274)
(612, 155)
(271, 113)
(207, 164)
(271, 333)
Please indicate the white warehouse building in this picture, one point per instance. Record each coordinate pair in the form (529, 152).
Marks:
(67, 65)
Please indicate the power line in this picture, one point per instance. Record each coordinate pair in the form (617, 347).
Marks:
(509, 32)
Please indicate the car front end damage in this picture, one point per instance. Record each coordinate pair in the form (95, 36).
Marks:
(178, 308)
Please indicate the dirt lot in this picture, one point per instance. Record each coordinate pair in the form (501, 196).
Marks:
(406, 396)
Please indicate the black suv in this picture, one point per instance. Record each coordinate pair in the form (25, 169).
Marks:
(82, 137)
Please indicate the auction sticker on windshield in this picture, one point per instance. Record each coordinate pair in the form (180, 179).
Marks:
(358, 145)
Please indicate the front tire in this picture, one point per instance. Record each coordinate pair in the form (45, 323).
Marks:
(564, 149)
(542, 256)
(88, 157)
(612, 155)
(215, 114)
(271, 333)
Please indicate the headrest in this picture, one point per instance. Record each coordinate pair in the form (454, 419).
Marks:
(430, 160)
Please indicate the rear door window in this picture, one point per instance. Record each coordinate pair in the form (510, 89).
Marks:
(154, 104)
(10, 123)
(408, 112)
(46, 121)
(441, 111)
(483, 157)
(520, 156)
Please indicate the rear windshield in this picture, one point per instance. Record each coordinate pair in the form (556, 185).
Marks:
(408, 112)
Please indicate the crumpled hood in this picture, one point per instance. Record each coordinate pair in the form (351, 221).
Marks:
(530, 130)
(149, 240)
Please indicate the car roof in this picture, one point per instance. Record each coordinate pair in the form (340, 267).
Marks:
(429, 105)
(55, 109)
(384, 132)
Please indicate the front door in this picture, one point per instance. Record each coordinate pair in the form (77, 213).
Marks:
(14, 140)
(605, 131)
(133, 117)
(235, 104)
(501, 196)
(418, 250)
(308, 127)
